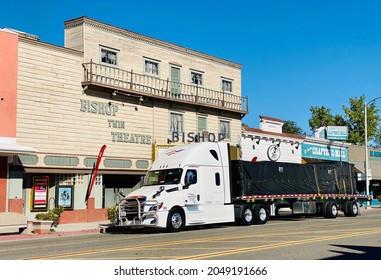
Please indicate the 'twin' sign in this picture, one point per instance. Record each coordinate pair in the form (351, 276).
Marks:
(196, 137)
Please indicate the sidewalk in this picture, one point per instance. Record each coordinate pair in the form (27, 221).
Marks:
(60, 230)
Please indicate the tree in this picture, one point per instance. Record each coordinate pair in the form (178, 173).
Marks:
(355, 116)
(291, 127)
(354, 119)
(320, 117)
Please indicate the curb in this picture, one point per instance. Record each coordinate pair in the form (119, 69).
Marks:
(12, 236)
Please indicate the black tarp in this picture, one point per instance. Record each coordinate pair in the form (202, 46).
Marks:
(273, 178)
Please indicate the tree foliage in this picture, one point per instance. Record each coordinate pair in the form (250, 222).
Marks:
(320, 117)
(353, 118)
(291, 127)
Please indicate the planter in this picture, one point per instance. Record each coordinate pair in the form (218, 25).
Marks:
(40, 227)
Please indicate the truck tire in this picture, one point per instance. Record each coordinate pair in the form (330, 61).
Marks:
(261, 214)
(175, 220)
(351, 208)
(246, 216)
(330, 210)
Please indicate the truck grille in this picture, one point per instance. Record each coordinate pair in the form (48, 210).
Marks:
(134, 207)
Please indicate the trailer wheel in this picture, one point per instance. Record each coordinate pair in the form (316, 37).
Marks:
(175, 220)
(330, 210)
(246, 216)
(351, 208)
(261, 214)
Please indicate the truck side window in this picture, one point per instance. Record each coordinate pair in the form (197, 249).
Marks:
(191, 177)
(218, 181)
(214, 154)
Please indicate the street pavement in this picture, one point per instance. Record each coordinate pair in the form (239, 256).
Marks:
(76, 228)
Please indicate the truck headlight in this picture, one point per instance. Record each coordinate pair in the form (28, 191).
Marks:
(155, 208)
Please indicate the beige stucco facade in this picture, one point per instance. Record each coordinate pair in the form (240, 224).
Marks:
(70, 103)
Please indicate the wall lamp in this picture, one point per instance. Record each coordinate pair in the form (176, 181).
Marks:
(296, 145)
(258, 139)
(86, 87)
(278, 142)
(141, 100)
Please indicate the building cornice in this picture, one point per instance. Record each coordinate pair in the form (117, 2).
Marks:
(270, 133)
(149, 40)
(50, 46)
(327, 142)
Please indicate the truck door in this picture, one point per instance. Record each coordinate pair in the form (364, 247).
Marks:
(212, 191)
(203, 186)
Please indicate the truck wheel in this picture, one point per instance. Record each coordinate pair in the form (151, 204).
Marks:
(246, 216)
(330, 210)
(352, 208)
(175, 220)
(261, 214)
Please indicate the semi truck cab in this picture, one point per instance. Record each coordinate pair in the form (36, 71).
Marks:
(186, 185)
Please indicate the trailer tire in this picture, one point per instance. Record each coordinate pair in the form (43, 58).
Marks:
(351, 208)
(175, 220)
(246, 216)
(323, 207)
(261, 214)
(330, 210)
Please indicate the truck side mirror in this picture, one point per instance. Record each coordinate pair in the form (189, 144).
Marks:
(121, 193)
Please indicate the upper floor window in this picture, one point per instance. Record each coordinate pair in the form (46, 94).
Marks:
(176, 122)
(201, 123)
(151, 67)
(109, 56)
(225, 129)
(227, 85)
(196, 78)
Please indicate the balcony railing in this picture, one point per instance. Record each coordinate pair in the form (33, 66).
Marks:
(129, 81)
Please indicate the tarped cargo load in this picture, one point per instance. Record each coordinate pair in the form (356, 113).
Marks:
(273, 178)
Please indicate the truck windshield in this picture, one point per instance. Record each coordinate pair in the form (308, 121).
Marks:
(163, 177)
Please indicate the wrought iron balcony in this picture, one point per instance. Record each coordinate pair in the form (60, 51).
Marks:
(103, 76)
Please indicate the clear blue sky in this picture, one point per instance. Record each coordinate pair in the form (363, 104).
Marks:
(294, 54)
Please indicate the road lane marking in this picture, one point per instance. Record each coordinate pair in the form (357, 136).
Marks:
(279, 245)
(212, 239)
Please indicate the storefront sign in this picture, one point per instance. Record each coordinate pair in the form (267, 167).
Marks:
(40, 193)
(375, 155)
(196, 137)
(100, 108)
(337, 133)
(324, 152)
(110, 109)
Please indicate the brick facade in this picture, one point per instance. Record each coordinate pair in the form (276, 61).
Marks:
(84, 215)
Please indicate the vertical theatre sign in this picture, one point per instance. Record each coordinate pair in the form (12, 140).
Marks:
(40, 193)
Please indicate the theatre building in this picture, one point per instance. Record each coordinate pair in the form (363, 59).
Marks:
(106, 86)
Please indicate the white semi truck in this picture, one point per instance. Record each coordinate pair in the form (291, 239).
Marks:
(204, 183)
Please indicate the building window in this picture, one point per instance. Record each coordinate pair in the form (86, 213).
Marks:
(196, 78)
(201, 123)
(225, 129)
(176, 122)
(227, 85)
(69, 179)
(109, 56)
(151, 67)
(98, 180)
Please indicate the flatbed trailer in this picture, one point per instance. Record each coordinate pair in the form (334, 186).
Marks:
(205, 183)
